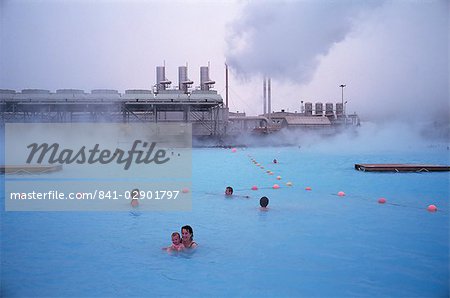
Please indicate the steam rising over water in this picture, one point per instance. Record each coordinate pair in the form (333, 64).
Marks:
(369, 137)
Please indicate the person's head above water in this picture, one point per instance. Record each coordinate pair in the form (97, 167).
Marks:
(176, 238)
(264, 201)
(187, 233)
(228, 191)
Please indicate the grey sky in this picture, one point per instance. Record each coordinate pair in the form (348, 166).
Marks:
(107, 44)
(393, 55)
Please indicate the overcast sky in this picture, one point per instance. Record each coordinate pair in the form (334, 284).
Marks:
(392, 55)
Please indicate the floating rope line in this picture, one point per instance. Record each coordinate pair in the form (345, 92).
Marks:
(342, 194)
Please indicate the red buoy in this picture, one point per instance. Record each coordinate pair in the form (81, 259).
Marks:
(381, 200)
(432, 208)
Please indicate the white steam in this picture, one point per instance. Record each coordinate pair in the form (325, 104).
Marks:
(392, 55)
(287, 38)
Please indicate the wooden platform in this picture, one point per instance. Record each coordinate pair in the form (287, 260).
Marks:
(29, 169)
(401, 168)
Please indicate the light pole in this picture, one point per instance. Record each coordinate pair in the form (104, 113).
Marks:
(342, 86)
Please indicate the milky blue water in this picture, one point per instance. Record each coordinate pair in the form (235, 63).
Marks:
(308, 243)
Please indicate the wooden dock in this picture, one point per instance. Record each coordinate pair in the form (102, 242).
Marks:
(29, 169)
(401, 168)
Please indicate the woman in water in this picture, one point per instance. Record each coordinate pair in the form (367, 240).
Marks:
(187, 236)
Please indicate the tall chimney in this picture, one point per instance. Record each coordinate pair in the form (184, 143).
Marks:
(264, 96)
(161, 80)
(183, 81)
(160, 76)
(205, 81)
(226, 85)
(269, 95)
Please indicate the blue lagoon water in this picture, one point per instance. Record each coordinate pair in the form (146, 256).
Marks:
(308, 243)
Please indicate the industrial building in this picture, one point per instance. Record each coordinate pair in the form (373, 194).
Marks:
(201, 106)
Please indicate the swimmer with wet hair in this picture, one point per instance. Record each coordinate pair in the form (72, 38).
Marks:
(188, 237)
(228, 191)
(177, 245)
(263, 202)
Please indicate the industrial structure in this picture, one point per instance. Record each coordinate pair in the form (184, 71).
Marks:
(201, 106)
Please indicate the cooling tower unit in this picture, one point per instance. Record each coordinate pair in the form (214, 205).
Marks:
(35, 91)
(329, 109)
(319, 108)
(339, 110)
(308, 108)
(104, 91)
(205, 81)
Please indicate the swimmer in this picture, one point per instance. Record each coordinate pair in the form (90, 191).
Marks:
(263, 202)
(275, 160)
(176, 243)
(187, 237)
(134, 197)
(228, 191)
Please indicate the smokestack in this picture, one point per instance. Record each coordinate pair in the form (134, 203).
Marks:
(269, 107)
(264, 96)
(205, 81)
(161, 80)
(226, 85)
(183, 81)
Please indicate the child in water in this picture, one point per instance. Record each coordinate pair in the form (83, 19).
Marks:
(176, 243)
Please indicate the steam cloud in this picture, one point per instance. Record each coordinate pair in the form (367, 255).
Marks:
(286, 39)
(392, 55)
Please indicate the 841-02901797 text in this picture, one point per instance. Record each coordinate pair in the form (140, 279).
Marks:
(140, 194)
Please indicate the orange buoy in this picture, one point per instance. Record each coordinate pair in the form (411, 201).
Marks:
(308, 188)
(254, 187)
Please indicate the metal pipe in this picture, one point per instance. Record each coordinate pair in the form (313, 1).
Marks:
(226, 85)
(342, 86)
